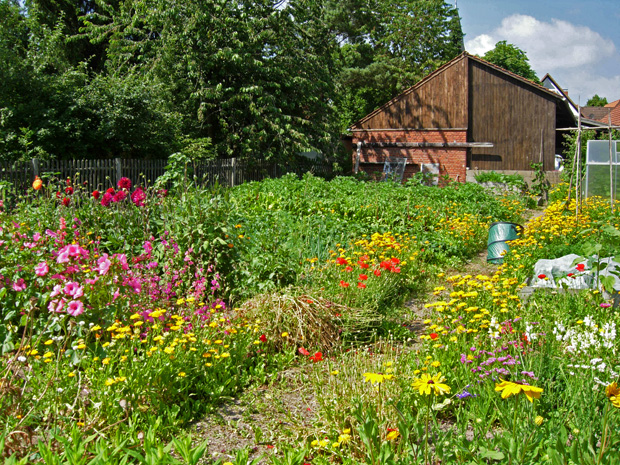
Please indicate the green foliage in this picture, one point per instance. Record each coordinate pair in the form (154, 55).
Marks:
(511, 58)
(515, 180)
(597, 101)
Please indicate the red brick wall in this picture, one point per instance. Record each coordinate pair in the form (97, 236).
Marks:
(452, 161)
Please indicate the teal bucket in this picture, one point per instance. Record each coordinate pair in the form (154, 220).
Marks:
(499, 234)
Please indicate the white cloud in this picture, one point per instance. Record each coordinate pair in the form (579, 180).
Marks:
(559, 48)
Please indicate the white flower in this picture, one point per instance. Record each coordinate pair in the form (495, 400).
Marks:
(21, 358)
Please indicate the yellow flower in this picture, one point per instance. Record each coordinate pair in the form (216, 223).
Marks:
(182, 374)
(344, 438)
(48, 342)
(539, 420)
(376, 378)
(106, 361)
(428, 384)
(613, 393)
(508, 388)
(392, 435)
(335, 372)
(285, 334)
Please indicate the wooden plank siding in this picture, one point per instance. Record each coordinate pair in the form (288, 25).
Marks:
(518, 118)
(439, 101)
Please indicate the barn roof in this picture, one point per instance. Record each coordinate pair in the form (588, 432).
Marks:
(462, 56)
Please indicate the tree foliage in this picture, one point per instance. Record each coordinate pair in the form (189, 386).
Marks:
(263, 78)
(511, 58)
(597, 101)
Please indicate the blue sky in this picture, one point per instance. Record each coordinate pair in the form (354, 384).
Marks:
(577, 42)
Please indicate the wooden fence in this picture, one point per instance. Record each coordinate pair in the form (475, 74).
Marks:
(101, 174)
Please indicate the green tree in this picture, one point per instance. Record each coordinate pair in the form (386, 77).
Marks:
(253, 76)
(387, 46)
(597, 101)
(511, 58)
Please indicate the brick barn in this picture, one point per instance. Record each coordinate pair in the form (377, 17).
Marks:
(468, 114)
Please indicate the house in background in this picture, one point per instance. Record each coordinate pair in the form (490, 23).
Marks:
(468, 115)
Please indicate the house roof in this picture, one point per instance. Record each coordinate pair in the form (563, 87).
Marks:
(594, 113)
(429, 77)
(549, 83)
(614, 107)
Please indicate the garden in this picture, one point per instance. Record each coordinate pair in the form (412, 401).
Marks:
(300, 321)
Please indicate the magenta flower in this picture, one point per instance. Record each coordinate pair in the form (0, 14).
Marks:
(605, 305)
(124, 183)
(138, 196)
(119, 196)
(41, 269)
(19, 285)
(75, 308)
(122, 259)
(106, 199)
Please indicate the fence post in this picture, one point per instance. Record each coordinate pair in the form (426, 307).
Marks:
(233, 171)
(119, 169)
(35, 167)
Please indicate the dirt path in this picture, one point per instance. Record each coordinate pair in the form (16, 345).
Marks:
(284, 409)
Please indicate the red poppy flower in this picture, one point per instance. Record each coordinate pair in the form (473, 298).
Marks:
(361, 285)
(341, 261)
(303, 351)
(69, 190)
(310, 301)
(317, 357)
(363, 265)
(66, 201)
(348, 268)
(263, 338)
(542, 276)
(580, 267)
(377, 273)
(363, 277)
(434, 336)
(110, 190)
(344, 284)
(96, 195)
(58, 195)
(386, 265)
(396, 269)
(395, 260)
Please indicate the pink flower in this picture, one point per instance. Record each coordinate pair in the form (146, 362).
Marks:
(36, 236)
(57, 290)
(116, 294)
(104, 264)
(19, 285)
(56, 305)
(106, 199)
(75, 308)
(73, 250)
(605, 305)
(41, 269)
(63, 257)
(74, 290)
(122, 259)
(148, 247)
(124, 183)
(92, 281)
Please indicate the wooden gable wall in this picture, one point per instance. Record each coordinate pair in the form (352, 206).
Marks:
(517, 118)
(439, 101)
